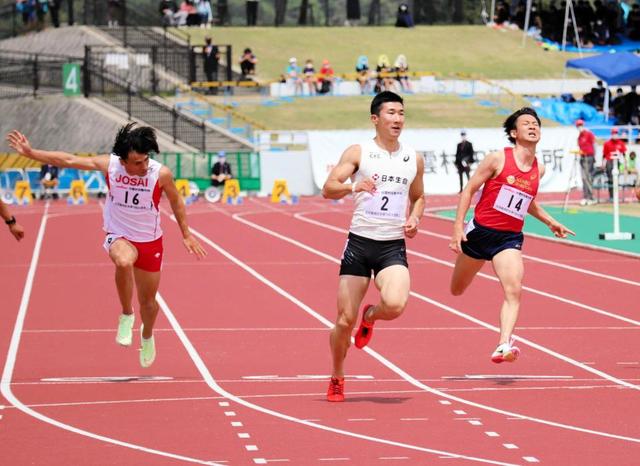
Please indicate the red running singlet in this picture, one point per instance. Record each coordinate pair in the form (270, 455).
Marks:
(506, 198)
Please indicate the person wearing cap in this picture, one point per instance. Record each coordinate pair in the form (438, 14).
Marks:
(586, 146)
(613, 149)
(464, 158)
(325, 77)
(221, 170)
(293, 76)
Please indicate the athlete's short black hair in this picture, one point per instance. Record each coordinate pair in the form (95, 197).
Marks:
(510, 122)
(381, 98)
(141, 140)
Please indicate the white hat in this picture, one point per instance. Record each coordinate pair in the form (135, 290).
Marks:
(292, 60)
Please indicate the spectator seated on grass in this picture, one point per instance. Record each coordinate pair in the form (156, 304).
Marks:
(384, 75)
(248, 63)
(362, 69)
(309, 76)
(401, 67)
(326, 78)
(292, 74)
(204, 10)
(168, 9)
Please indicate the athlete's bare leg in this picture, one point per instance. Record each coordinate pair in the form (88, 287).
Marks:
(510, 270)
(351, 291)
(394, 283)
(464, 272)
(123, 254)
(147, 284)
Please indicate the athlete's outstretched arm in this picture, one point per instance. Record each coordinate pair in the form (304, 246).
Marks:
(416, 197)
(20, 144)
(177, 206)
(556, 227)
(335, 188)
(486, 169)
(15, 228)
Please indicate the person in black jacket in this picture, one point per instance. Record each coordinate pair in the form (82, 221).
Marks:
(464, 157)
(221, 171)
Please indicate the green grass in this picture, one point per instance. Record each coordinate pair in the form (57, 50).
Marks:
(475, 50)
(326, 112)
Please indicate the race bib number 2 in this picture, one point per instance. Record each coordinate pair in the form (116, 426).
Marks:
(513, 202)
(386, 204)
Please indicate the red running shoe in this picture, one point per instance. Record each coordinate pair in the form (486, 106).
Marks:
(336, 390)
(365, 331)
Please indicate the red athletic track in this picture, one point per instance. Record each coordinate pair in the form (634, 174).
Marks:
(240, 328)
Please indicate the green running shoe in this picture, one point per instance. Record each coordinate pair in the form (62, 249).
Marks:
(147, 350)
(125, 332)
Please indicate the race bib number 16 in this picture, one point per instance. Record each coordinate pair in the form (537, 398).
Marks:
(513, 202)
(386, 204)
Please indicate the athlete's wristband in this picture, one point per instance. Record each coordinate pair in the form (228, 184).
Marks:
(11, 221)
(353, 187)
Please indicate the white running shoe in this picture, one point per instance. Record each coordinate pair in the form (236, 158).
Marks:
(147, 350)
(583, 202)
(505, 352)
(125, 329)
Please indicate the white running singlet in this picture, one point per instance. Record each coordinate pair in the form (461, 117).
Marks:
(381, 216)
(131, 210)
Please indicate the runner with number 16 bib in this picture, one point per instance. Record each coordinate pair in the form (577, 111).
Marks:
(510, 178)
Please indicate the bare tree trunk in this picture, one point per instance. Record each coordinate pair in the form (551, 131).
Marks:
(304, 8)
(280, 11)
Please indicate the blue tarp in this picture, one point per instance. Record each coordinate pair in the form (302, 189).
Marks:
(616, 69)
(625, 45)
(567, 113)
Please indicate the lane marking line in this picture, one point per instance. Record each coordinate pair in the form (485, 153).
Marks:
(388, 363)
(480, 274)
(7, 373)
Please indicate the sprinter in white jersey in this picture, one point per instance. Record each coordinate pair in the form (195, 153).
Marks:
(131, 221)
(386, 178)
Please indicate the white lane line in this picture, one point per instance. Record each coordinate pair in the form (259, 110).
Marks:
(444, 402)
(361, 419)
(244, 435)
(510, 446)
(553, 263)
(334, 459)
(229, 413)
(260, 461)
(475, 423)
(7, 373)
(449, 308)
(632, 363)
(204, 371)
(395, 368)
(492, 434)
(393, 458)
(531, 459)
(414, 418)
(482, 274)
(251, 447)
(236, 424)
(223, 403)
(459, 411)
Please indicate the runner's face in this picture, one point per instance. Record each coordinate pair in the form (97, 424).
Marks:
(391, 119)
(527, 129)
(136, 164)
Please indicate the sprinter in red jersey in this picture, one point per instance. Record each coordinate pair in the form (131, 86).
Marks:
(510, 178)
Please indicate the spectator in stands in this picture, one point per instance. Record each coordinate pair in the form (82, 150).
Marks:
(206, 15)
(168, 9)
(502, 14)
(48, 181)
(248, 63)
(187, 15)
(465, 157)
(114, 12)
(54, 8)
(252, 12)
(309, 76)
(404, 18)
(362, 69)
(15, 228)
(221, 170)
(601, 34)
(326, 78)
(631, 168)
(618, 107)
(595, 97)
(586, 146)
(401, 68)
(614, 149)
(384, 75)
(211, 58)
(633, 22)
(293, 76)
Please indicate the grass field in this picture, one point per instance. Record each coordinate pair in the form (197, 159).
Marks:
(422, 111)
(475, 50)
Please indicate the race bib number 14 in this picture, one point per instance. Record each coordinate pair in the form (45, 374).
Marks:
(513, 202)
(386, 204)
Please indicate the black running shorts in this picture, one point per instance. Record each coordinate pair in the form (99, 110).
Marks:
(363, 255)
(484, 243)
